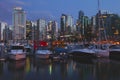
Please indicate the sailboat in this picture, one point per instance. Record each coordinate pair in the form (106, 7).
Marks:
(102, 50)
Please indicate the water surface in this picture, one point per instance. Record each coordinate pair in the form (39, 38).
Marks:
(32, 69)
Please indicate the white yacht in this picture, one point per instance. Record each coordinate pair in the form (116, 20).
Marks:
(17, 52)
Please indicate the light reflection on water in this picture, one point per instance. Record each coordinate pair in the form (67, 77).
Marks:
(32, 69)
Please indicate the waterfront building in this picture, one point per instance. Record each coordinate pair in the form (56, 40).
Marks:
(19, 23)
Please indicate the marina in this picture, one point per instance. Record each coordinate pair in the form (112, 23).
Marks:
(72, 62)
(50, 41)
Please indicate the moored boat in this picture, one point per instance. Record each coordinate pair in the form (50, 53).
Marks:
(17, 52)
(42, 53)
(83, 53)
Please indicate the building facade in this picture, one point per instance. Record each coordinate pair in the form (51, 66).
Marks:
(19, 23)
(7, 34)
(29, 30)
(41, 26)
(3, 26)
(66, 24)
(52, 30)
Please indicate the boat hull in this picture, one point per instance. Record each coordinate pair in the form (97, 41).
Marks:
(17, 56)
(102, 53)
(82, 55)
(42, 56)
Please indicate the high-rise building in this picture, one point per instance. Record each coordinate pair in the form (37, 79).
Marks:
(80, 22)
(41, 24)
(19, 23)
(3, 25)
(35, 32)
(93, 24)
(69, 24)
(52, 30)
(7, 34)
(83, 26)
(66, 24)
(80, 15)
(63, 23)
(28, 30)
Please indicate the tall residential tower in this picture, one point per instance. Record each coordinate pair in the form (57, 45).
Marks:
(19, 24)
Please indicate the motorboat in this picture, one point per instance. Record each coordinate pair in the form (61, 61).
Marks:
(42, 52)
(17, 52)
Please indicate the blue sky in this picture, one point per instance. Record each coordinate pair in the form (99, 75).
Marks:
(52, 9)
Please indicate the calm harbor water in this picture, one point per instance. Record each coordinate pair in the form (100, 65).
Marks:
(31, 69)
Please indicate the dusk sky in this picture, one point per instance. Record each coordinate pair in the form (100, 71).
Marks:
(52, 9)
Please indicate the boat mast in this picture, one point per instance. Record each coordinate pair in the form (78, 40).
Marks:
(99, 15)
(100, 21)
(98, 5)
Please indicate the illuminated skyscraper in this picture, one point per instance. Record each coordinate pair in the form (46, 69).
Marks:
(41, 26)
(29, 30)
(66, 24)
(19, 23)
(52, 30)
(63, 23)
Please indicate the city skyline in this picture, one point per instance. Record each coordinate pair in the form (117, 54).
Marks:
(52, 10)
